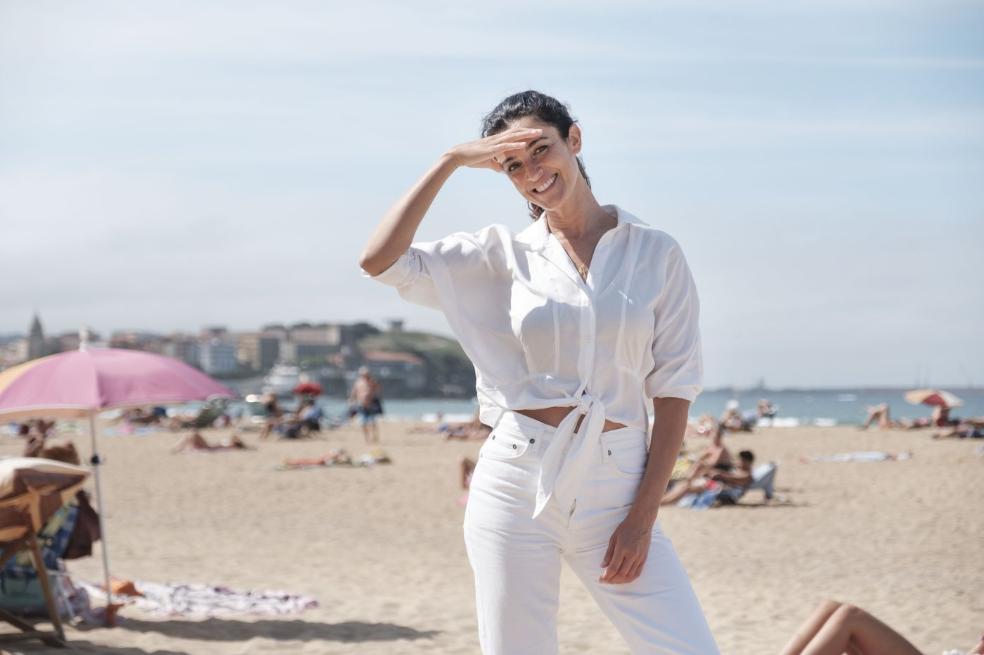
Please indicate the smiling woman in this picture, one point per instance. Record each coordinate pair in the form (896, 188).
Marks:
(528, 109)
(572, 324)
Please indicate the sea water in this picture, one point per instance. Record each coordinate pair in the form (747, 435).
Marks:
(795, 406)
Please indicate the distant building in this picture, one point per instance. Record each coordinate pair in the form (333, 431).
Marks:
(67, 341)
(327, 334)
(395, 325)
(36, 345)
(400, 373)
(217, 357)
(138, 340)
(257, 351)
(307, 343)
(13, 352)
(182, 347)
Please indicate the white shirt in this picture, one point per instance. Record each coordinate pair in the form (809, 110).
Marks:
(540, 336)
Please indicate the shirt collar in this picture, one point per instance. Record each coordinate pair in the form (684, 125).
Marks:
(537, 235)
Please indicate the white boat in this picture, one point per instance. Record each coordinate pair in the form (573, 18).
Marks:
(282, 379)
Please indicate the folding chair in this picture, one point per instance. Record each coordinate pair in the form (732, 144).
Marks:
(57, 639)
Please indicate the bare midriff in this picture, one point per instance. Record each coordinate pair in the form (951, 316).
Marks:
(554, 415)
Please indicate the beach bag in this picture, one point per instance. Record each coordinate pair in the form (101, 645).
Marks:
(86, 531)
(376, 406)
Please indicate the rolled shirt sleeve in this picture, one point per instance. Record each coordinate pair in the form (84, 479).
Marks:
(433, 273)
(411, 277)
(678, 369)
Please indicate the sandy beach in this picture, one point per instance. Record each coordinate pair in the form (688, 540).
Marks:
(381, 549)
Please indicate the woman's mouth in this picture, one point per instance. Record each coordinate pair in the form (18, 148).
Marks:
(546, 185)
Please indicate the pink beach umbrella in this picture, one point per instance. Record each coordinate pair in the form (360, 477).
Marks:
(82, 383)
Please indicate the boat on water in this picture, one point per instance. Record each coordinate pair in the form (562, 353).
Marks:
(282, 379)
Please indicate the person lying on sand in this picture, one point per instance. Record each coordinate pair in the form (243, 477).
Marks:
(733, 419)
(702, 478)
(836, 628)
(860, 456)
(465, 430)
(331, 458)
(196, 442)
(882, 415)
(969, 428)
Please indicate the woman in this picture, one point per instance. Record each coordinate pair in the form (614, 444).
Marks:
(586, 308)
(835, 628)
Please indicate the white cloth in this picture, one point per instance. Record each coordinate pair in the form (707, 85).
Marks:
(540, 336)
(516, 560)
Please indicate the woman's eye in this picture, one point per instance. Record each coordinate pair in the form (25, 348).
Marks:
(512, 167)
(539, 150)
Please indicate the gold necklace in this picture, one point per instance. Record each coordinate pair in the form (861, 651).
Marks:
(581, 269)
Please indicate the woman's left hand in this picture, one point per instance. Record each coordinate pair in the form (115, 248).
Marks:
(627, 551)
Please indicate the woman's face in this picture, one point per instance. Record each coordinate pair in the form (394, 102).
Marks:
(546, 172)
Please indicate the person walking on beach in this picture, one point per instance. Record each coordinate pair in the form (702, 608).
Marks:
(575, 325)
(366, 398)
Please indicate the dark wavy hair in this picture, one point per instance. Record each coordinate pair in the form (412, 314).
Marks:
(541, 106)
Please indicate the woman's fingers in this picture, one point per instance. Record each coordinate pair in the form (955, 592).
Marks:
(612, 571)
(509, 145)
(521, 133)
(607, 559)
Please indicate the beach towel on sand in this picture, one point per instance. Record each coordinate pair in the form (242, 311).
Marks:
(205, 601)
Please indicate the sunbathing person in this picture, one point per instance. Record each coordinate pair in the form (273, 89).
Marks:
(734, 420)
(274, 415)
(835, 628)
(195, 441)
(717, 455)
(968, 428)
(142, 416)
(882, 414)
(36, 446)
(701, 479)
(765, 409)
(331, 458)
(473, 429)
(212, 411)
(860, 456)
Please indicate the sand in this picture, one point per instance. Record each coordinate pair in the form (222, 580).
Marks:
(381, 548)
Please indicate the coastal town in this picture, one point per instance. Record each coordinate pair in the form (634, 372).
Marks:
(409, 364)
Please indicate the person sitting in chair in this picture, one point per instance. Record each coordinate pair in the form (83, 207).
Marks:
(702, 479)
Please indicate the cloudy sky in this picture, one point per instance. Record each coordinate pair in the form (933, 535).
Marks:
(170, 165)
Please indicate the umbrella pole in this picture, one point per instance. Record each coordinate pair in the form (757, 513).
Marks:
(95, 461)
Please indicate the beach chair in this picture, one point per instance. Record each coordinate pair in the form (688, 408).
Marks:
(207, 415)
(32, 490)
(764, 478)
(28, 631)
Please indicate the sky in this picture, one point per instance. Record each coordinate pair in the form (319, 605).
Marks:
(166, 166)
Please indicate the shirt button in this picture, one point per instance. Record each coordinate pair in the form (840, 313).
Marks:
(515, 446)
(532, 440)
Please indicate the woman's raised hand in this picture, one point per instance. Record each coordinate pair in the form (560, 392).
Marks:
(485, 152)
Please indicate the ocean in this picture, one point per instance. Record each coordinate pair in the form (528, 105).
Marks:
(795, 406)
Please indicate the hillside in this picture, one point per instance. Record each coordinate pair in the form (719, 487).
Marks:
(449, 371)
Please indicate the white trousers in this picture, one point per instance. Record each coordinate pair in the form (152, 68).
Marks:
(516, 558)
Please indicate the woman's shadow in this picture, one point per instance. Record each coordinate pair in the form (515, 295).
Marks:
(216, 629)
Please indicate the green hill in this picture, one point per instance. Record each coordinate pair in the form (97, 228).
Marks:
(449, 371)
